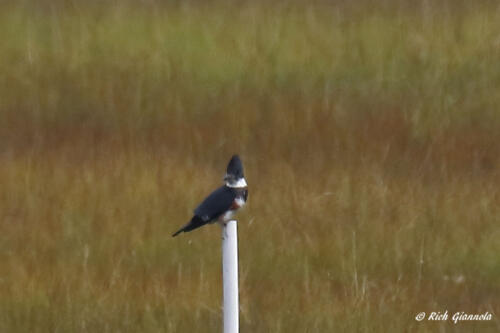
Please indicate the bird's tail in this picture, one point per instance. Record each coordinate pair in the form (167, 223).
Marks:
(178, 232)
(195, 222)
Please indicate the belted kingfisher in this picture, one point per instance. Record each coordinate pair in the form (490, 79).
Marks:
(221, 204)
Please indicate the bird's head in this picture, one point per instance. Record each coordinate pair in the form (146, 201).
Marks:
(234, 174)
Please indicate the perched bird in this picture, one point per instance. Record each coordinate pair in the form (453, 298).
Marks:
(221, 204)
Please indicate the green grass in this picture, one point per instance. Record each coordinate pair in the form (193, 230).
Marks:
(369, 132)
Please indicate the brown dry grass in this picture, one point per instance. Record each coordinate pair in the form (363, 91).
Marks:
(369, 136)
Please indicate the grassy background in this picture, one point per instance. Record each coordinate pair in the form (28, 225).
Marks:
(369, 131)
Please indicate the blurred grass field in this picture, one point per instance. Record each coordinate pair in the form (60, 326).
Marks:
(370, 135)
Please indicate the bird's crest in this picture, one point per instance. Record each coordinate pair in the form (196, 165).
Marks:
(235, 167)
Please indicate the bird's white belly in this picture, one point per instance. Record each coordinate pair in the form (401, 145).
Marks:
(227, 216)
(239, 202)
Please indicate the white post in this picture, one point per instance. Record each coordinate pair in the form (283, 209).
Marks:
(230, 276)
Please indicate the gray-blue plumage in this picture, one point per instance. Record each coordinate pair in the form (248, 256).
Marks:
(216, 204)
(222, 203)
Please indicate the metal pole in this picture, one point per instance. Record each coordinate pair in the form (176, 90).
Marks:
(230, 276)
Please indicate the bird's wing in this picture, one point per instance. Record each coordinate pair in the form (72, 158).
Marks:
(218, 202)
